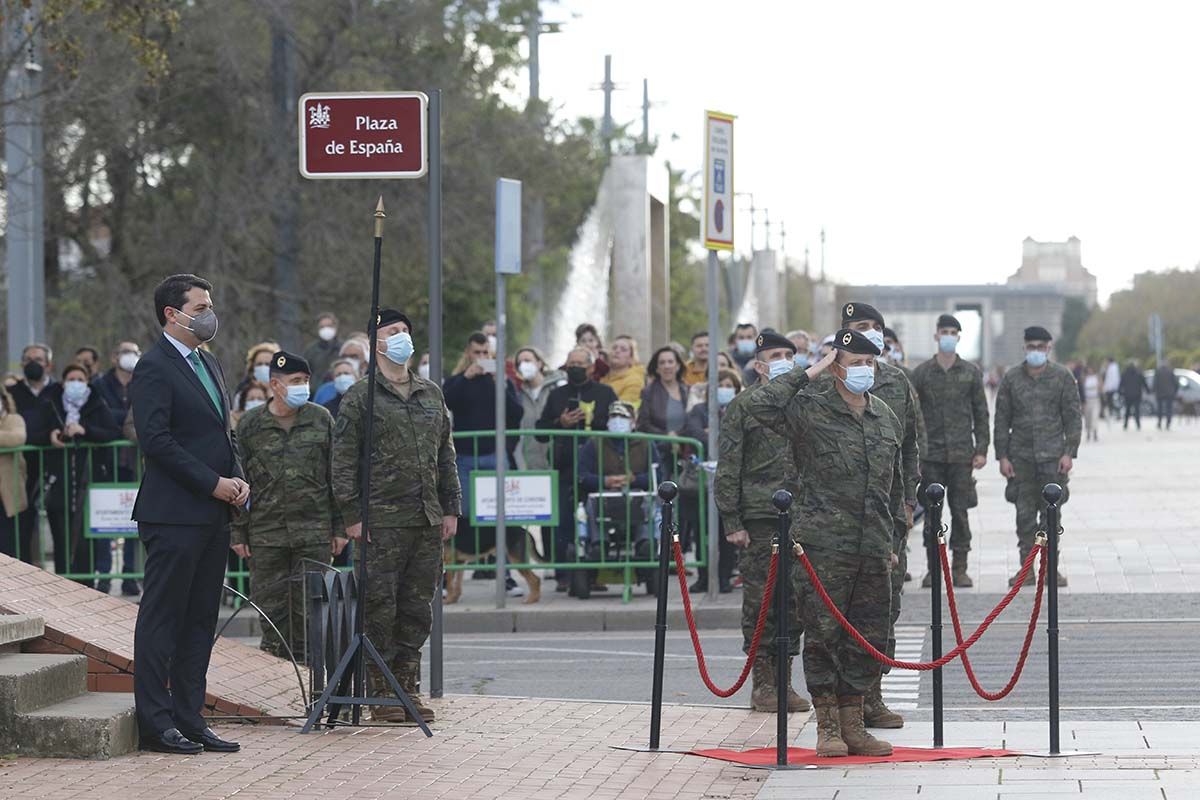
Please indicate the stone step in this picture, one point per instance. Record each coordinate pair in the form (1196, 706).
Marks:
(17, 628)
(94, 725)
(29, 681)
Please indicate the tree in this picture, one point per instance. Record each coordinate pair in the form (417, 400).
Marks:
(1122, 329)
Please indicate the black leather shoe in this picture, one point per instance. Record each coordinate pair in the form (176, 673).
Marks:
(171, 741)
(213, 743)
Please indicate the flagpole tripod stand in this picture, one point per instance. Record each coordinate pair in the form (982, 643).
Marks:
(352, 669)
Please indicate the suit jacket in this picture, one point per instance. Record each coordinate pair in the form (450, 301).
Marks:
(187, 445)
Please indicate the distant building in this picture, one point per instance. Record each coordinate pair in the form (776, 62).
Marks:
(1056, 264)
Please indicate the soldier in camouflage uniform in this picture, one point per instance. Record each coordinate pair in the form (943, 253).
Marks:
(957, 434)
(847, 446)
(292, 517)
(754, 463)
(1038, 427)
(892, 386)
(415, 503)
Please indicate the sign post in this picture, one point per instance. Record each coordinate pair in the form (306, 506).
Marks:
(718, 235)
(508, 262)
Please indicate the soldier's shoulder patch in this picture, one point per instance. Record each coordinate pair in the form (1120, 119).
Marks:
(341, 424)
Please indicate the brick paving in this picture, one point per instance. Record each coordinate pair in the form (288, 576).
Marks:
(482, 748)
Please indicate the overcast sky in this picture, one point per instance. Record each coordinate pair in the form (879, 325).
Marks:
(927, 138)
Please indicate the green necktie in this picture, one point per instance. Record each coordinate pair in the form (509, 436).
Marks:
(206, 379)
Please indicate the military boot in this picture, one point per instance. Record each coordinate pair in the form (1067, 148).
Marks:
(854, 732)
(876, 714)
(927, 581)
(764, 697)
(958, 571)
(409, 677)
(378, 687)
(796, 702)
(829, 728)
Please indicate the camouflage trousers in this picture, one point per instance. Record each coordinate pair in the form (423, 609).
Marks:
(898, 572)
(754, 563)
(277, 587)
(860, 586)
(959, 480)
(403, 567)
(1025, 491)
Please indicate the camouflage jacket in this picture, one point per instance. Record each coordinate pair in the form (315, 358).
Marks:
(755, 462)
(1038, 419)
(849, 466)
(893, 388)
(414, 481)
(954, 409)
(291, 495)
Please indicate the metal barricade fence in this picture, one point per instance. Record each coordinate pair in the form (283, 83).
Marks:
(602, 513)
(82, 496)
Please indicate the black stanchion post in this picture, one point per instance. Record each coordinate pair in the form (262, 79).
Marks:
(1052, 493)
(667, 493)
(935, 494)
(783, 553)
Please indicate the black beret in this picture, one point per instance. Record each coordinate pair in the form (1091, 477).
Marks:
(770, 340)
(948, 321)
(289, 364)
(888, 333)
(390, 316)
(854, 342)
(852, 312)
(1036, 333)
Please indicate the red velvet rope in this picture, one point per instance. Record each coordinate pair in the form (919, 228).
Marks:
(758, 626)
(913, 665)
(966, 662)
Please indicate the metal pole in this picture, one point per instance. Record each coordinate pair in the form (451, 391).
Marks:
(783, 679)
(433, 232)
(667, 493)
(1052, 493)
(501, 382)
(935, 494)
(606, 125)
(533, 31)
(714, 422)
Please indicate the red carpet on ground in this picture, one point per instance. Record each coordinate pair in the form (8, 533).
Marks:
(765, 756)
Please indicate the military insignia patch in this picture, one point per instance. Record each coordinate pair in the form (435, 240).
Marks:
(846, 339)
(279, 362)
(849, 312)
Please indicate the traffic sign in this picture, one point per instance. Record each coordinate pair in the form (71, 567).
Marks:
(363, 135)
(718, 180)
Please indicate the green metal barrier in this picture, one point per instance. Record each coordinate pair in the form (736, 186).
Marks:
(608, 516)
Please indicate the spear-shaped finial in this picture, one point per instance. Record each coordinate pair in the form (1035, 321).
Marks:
(379, 217)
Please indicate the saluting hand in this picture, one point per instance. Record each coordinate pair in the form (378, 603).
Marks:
(816, 369)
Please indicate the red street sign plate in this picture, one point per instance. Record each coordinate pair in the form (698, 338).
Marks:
(363, 135)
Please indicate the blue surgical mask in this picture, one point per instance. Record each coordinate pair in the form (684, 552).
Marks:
(725, 395)
(779, 367)
(76, 391)
(399, 347)
(620, 425)
(875, 337)
(801, 360)
(745, 346)
(947, 343)
(297, 395)
(1035, 358)
(343, 382)
(859, 379)
(262, 373)
(252, 404)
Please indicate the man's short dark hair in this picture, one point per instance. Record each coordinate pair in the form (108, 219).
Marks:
(173, 292)
(477, 338)
(89, 349)
(698, 334)
(741, 326)
(327, 315)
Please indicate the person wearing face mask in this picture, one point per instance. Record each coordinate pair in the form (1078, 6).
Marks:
(423, 366)
(415, 503)
(1038, 427)
(325, 348)
(113, 386)
(891, 384)
(533, 390)
(742, 344)
(344, 375)
(729, 384)
(191, 483)
(355, 350)
(258, 366)
(285, 447)
(579, 404)
(75, 413)
(957, 432)
(252, 396)
(754, 462)
(847, 445)
(37, 364)
(893, 351)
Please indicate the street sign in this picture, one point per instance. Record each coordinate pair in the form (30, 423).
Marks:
(363, 135)
(508, 226)
(718, 180)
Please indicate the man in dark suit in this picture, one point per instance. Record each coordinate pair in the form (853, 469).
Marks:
(191, 482)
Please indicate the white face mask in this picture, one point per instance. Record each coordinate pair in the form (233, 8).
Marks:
(327, 332)
(528, 370)
(423, 371)
(127, 361)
